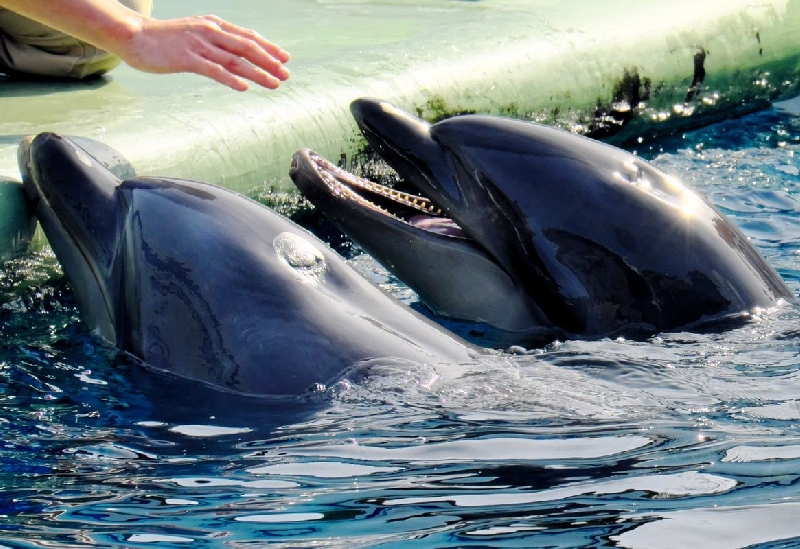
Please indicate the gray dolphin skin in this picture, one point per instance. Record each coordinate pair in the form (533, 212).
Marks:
(538, 231)
(204, 283)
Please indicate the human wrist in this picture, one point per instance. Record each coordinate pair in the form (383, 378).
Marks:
(120, 33)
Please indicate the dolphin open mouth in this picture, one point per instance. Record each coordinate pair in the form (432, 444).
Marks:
(414, 210)
(417, 234)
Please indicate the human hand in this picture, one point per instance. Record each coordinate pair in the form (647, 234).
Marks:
(208, 46)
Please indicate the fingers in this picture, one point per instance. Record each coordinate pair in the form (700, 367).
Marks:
(247, 60)
(215, 71)
(272, 49)
(238, 54)
(232, 70)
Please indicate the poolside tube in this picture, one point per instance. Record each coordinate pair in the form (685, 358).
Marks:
(623, 71)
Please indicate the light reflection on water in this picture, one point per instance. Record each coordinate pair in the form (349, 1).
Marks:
(681, 440)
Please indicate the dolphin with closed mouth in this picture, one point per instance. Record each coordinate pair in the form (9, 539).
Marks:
(206, 284)
(537, 231)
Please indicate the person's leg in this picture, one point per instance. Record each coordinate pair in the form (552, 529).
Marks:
(31, 48)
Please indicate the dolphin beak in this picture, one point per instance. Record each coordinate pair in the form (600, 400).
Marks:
(77, 188)
(405, 143)
(73, 196)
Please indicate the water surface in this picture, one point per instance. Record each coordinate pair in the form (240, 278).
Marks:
(680, 440)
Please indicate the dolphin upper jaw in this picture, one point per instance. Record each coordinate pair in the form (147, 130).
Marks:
(410, 147)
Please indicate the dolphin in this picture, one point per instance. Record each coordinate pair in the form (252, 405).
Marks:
(199, 281)
(537, 231)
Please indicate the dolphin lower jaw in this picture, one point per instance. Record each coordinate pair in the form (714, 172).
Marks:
(91, 294)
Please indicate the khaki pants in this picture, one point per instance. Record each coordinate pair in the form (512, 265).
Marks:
(31, 48)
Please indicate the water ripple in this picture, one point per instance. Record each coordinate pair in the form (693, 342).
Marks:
(683, 439)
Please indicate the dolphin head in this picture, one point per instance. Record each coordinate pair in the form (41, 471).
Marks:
(412, 240)
(597, 240)
(202, 282)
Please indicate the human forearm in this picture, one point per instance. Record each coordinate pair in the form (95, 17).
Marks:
(205, 45)
(106, 24)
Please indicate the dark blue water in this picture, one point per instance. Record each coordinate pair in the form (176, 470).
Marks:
(683, 440)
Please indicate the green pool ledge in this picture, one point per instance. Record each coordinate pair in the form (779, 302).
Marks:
(622, 71)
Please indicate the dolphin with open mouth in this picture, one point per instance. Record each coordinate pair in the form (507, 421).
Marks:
(539, 232)
(199, 281)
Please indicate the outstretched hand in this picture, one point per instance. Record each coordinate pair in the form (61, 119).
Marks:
(205, 45)
(209, 46)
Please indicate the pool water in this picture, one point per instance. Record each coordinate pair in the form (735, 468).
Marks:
(681, 440)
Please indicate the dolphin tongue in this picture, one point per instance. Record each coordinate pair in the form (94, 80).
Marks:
(438, 225)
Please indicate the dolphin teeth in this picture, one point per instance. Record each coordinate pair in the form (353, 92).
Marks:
(352, 187)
